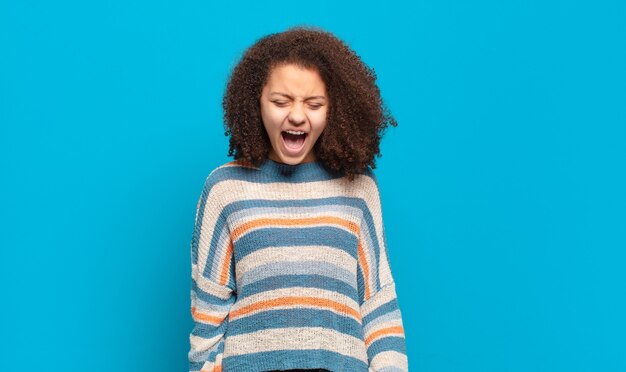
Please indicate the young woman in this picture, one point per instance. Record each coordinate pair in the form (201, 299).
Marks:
(289, 259)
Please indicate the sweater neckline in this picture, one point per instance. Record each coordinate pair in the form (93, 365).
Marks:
(279, 169)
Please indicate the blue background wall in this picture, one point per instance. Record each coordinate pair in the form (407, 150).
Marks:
(502, 186)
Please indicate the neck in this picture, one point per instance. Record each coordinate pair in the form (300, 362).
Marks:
(301, 172)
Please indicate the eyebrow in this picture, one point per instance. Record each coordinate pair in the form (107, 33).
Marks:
(288, 96)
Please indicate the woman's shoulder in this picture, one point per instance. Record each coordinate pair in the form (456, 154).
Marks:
(233, 164)
(225, 177)
(366, 183)
(229, 170)
(367, 177)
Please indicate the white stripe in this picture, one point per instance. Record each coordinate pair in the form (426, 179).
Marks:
(264, 256)
(296, 338)
(389, 358)
(383, 296)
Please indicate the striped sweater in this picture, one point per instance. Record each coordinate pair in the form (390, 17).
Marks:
(290, 270)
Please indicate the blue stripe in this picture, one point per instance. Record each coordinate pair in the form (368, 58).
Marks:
(360, 284)
(207, 331)
(331, 202)
(208, 297)
(269, 172)
(292, 359)
(298, 317)
(387, 343)
(206, 308)
(383, 309)
(394, 315)
(296, 236)
(195, 366)
(322, 268)
(391, 369)
(219, 239)
(309, 281)
(248, 211)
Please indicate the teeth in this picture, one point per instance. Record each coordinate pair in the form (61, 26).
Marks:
(297, 133)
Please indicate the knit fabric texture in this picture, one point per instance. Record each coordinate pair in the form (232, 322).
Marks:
(290, 270)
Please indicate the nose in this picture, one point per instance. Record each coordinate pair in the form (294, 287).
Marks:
(296, 115)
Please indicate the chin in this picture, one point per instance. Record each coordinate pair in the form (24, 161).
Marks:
(292, 161)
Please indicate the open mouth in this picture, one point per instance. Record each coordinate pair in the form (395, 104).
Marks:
(294, 142)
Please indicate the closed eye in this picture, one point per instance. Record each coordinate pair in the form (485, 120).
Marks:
(284, 103)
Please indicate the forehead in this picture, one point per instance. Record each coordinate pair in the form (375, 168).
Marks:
(291, 79)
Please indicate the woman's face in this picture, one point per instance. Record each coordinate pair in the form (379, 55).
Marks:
(293, 99)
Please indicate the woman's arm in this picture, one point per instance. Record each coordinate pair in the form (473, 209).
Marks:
(212, 282)
(382, 320)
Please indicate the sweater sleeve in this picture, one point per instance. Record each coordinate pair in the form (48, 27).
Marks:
(383, 330)
(212, 281)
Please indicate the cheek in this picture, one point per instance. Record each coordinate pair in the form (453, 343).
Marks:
(318, 120)
(273, 115)
(268, 118)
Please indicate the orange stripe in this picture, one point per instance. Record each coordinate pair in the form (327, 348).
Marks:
(206, 317)
(397, 330)
(366, 269)
(267, 304)
(242, 229)
(226, 265)
(216, 368)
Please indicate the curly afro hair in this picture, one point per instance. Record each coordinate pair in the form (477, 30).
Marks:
(356, 118)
